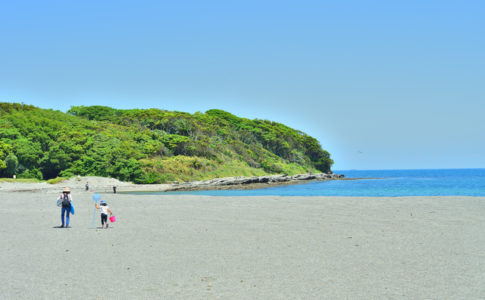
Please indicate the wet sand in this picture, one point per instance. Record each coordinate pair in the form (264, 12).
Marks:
(201, 247)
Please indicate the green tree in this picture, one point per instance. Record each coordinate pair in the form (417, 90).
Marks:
(11, 163)
(131, 144)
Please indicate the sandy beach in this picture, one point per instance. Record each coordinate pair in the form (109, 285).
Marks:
(196, 247)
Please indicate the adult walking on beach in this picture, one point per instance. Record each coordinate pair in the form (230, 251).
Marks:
(65, 199)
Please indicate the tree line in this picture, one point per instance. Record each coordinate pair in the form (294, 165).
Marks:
(149, 145)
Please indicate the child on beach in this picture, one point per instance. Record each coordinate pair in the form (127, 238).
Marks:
(103, 206)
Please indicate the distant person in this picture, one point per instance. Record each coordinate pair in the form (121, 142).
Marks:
(66, 200)
(103, 206)
(114, 189)
(87, 186)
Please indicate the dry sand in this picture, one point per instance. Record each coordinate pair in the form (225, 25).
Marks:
(96, 184)
(195, 247)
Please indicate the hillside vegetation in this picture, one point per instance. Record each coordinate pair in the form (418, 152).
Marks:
(149, 145)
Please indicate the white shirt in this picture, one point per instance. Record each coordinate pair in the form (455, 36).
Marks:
(104, 209)
(61, 197)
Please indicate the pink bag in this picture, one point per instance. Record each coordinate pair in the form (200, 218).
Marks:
(112, 219)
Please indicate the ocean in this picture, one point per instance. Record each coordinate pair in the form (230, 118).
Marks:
(376, 183)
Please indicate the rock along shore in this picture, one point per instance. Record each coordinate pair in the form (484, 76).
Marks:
(251, 182)
(105, 185)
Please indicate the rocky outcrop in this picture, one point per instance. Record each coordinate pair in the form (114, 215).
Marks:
(248, 182)
(105, 185)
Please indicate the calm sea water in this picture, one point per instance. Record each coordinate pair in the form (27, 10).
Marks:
(445, 182)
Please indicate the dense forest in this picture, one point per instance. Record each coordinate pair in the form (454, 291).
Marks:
(149, 145)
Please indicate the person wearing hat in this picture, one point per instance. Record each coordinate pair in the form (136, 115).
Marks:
(65, 199)
(103, 206)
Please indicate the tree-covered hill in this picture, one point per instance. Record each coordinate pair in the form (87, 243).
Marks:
(149, 145)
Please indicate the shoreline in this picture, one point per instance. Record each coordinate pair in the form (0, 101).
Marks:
(105, 185)
(252, 186)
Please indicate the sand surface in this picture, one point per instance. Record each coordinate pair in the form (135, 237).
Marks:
(77, 184)
(195, 247)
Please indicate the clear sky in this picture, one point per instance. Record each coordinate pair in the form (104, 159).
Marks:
(381, 84)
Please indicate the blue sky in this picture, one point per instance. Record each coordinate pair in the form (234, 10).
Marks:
(381, 84)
